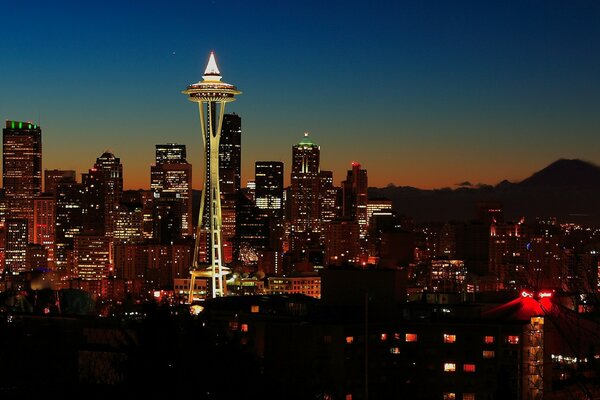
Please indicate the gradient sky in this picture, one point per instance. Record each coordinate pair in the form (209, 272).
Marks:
(421, 93)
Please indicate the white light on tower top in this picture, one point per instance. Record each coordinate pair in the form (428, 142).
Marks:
(212, 73)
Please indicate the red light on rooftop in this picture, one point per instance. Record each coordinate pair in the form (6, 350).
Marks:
(355, 164)
(526, 293)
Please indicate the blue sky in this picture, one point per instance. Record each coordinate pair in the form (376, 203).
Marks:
(422, 93)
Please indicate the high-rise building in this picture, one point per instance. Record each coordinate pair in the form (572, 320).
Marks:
(22, 168)
(44, 207)
(355, 197)
(268, 178)
(111, 171)
(172, 174)
(329, 207)
(16, 245)
(230, 154)
(211, 95)
(52, 177)
(69, 221)
(170, 153)
(93, 257)
(342, 239)
(93, 202)
(129, 223)
(305, 186)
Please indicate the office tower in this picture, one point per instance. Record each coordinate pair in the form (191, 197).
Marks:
(355, 197)
(44, 207)
(166, 218)
(93, 257)
(93, 202)
(129, 223)
(15, 260)
(146, 199)
(172, 174)
(22, 168)
(253, 231)
(329, 207)
(211, 95)
(170, 153)
(53, 176)
(111, 170)
(37, 257)
(230, 154)
(69, 221)
(268, 179)
(342, 238)
(305, 186)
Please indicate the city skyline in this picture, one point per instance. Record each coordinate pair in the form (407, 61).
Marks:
(425, 96)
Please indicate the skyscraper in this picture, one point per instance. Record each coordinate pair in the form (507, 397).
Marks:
(329, 209)
(16, 245)
(268, 178)
(305, 185)
(172, 174)
(111, 171)
(211, 95)
(355, 197)
(52, 177)
(44, 207)
(230, 154)
(22, 169)
(170, 153)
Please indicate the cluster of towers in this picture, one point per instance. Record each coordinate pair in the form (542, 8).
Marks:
(91, 229)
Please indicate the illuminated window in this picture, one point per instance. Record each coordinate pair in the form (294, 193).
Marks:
(488, 339)
(348, 397)
(489, 354)
(449, 338)
(254, 309)
(397, 336)
(449, 367)
(468, 396)
(469, 367)
(512, 339)
(449, 396)
(395, 350)
(244, 328)
(411, 337)
(383, 337)
(349, 339)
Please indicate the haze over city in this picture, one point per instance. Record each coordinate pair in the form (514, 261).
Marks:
(427, 94)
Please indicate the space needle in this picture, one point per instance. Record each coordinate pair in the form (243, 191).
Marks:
(211, 95)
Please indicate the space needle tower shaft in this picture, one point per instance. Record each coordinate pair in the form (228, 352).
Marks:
(211, 95)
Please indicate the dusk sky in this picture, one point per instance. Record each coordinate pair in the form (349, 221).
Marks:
(421, 93)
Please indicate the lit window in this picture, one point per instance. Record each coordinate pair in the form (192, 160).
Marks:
(488, 339)
(244, 328)
(254, 309)
(383, 337)
(449, 367)
(449, 338)
(411, 337)
(349, 339)
(348, 397)
(489, 354)
(469, 367)
(449, 396)
(512, 339)
(397, 336)
(468, 396)
(395, 350)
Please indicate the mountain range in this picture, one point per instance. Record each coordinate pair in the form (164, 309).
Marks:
(566, 189)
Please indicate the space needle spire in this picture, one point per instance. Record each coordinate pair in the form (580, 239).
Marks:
(211, 95)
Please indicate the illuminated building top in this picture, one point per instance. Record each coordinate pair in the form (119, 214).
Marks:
(211, 88)
(20, 125)
(306, 141)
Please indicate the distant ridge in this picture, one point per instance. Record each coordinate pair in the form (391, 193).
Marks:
(568, 189)
(565, 173)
